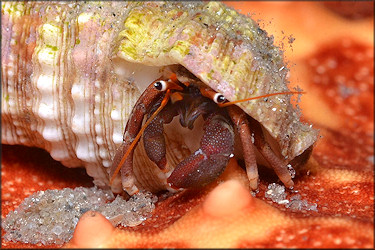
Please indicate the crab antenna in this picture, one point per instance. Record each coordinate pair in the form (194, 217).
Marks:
(259, 97)
(136, 139)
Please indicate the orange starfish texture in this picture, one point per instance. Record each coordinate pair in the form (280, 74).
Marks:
(332, 60)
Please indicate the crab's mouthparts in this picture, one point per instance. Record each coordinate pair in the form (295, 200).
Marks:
(192, 109)
(187, 119)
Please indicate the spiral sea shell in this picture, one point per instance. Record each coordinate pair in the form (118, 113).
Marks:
(72, 71)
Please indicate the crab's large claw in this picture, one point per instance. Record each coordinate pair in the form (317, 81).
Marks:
(209, 161)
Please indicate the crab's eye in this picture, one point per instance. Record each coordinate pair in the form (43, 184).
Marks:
(219, 98)
(160, 85)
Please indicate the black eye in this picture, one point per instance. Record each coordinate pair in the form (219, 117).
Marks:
(160, 85)
(219, 98)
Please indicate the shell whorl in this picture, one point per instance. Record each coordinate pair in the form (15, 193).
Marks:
(59, 89)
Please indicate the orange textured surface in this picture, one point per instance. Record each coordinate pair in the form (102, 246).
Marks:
(332, 60)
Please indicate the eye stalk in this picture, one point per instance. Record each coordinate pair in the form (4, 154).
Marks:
(160, 85)
(219, 98)
(164, 85)
(214, 96)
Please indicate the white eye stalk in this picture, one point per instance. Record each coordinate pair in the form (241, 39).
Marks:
(219, 98)
(160, 85)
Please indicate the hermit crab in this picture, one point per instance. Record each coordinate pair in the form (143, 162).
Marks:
(188, 98)
(73, 74)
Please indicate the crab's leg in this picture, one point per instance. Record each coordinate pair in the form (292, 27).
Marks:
(239, 119)
(209, 161)
(265, 149)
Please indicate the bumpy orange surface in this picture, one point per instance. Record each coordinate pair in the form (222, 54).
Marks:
(332, 60)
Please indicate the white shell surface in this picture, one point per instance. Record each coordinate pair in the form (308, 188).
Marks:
(61, 88)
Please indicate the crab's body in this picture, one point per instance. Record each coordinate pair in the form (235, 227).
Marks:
(72, 72)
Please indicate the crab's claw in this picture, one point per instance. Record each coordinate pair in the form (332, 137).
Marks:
(209, 161)
(153, 137)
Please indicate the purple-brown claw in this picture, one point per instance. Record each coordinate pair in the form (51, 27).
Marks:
(210, 160)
